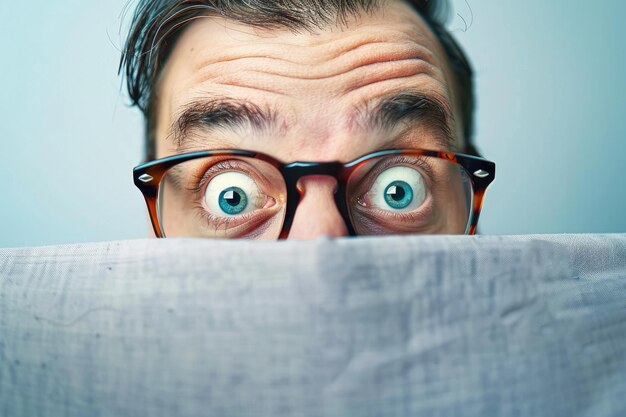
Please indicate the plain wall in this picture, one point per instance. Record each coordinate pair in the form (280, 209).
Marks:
(551, 114)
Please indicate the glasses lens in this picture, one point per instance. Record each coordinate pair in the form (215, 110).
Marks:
(222, 197)
(398, 194)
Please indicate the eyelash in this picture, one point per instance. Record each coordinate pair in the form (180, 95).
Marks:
(219, 221)
(217, 168)
(403, 217)
(418, 162)
(391, 162)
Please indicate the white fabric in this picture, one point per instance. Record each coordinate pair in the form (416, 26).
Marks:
(397, 326)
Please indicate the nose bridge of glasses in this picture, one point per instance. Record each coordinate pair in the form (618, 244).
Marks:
(300, 169)
(297, 170)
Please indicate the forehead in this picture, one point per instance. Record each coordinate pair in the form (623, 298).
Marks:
(312, 78)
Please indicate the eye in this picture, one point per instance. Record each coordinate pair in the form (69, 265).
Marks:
(399, 188)
(231, 194)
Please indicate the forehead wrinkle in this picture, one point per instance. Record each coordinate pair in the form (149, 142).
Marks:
(332, 85)
(306, 56)
(359, 60)
(360, 91)
(321, 52)
(240, 84)
(303, 63)
(348, 64)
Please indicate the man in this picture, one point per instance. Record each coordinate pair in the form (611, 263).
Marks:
(374, 96)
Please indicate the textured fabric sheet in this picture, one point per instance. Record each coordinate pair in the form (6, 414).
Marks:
(412, 326)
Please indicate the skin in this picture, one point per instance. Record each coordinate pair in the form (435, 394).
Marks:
(319, 86)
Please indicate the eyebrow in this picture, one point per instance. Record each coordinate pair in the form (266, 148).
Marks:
(405, 107)
(221, 112)
(410, 108)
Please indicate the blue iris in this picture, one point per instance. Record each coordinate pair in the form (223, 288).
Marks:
(398, 195)
(233, 200)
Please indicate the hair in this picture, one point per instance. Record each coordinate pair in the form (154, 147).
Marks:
(157, 24)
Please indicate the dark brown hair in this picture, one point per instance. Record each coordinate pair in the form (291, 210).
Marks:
(157, 24)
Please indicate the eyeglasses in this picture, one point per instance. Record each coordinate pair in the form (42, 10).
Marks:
(244, 194)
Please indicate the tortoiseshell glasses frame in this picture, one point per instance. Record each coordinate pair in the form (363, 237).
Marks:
(148, 176)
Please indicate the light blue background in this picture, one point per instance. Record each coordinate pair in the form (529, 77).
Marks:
(551, 113)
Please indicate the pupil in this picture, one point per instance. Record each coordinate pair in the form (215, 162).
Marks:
(399, 195)
(232, 198)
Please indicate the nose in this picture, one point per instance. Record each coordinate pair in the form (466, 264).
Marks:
(317, 214)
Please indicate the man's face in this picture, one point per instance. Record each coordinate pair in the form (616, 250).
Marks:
(304, 97)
